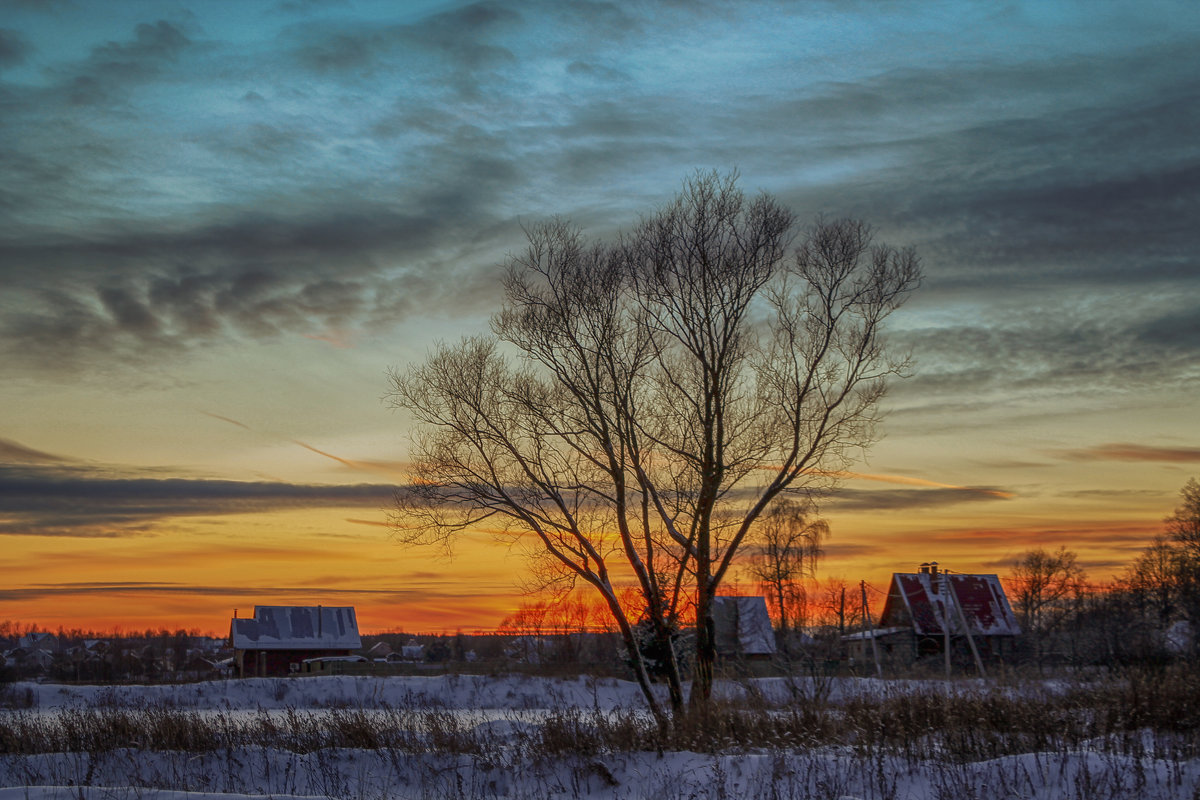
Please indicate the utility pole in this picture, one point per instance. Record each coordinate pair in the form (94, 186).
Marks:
(842, 614)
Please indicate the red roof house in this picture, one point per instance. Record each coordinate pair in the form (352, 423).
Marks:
(922, 607)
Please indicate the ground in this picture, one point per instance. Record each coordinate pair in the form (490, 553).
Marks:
(516, 737)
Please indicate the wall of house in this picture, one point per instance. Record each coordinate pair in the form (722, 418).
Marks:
(266, 663)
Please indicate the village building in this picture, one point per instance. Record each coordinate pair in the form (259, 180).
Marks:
(39, 640)
(927, 608)
(742, 627)
(277, 640)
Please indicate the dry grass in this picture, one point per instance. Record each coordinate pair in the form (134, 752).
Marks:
(968, 722)
(955, 733)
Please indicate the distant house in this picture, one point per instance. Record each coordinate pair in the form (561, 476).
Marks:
(412, 651)
(922, 607)
(30, 659)
(742, 627)
(39, 640)
(380, 651)
(278, 639)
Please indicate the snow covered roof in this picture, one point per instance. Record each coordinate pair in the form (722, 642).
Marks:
(920, 599)
(297, 628)
(743, 626)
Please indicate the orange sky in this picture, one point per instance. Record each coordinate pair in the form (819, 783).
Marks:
(192, 572)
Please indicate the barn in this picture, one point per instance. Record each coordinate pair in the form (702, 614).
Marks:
(922, 607)
(278, 639)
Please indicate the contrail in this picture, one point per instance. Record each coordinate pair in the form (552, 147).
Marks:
(227, 419)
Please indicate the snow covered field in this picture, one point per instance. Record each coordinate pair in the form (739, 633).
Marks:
(520, 737)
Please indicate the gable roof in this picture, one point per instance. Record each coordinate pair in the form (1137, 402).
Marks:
(297, 628)
(742, 626)
(919, 599)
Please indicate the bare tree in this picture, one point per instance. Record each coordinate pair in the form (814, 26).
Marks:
(643, 402)
(1166, 576)
(1183, 527)
(1045, 585)
(786, 553)
(1154, 580)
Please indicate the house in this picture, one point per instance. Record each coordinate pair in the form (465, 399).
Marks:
(922, 607)
(742, 627)
(278, 639)
(30, 659)
(39, 640)
(380, 651)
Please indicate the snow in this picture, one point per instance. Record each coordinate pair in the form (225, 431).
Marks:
(297, 627)
(508, 706)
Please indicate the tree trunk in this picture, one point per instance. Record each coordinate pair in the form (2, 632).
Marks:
(639, 670)
(706, 650)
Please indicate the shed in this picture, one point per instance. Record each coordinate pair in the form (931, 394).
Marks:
(278, 639)
(742, 627)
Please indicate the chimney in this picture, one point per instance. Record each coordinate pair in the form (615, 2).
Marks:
(924, 568)
(933, 568)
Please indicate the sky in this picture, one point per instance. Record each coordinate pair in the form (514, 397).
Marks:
(222, 222)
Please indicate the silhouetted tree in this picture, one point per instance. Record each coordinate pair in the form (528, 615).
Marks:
(1165, 578)
(1046, 587)
(785, 554)
(644, 402)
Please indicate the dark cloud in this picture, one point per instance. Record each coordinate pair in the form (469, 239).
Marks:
(1041, 177)
(309, 6)
(1123, 451)
(459, 46)
(1174, 331)
(39, 591)
(85, 502)
(851, 550)
(113, 67)
(1083, 533)
(1049, 343)
(901, 499)
(258, 277)
(14, 48)
(16, 453)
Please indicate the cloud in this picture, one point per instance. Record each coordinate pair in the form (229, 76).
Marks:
(900, 499)
(460, 44)
(923, 482)
(114, 67)
(1102, 534)
(42, 591)
(850, 551)
(16, 453)
(14, 48)
(381, 168)
(1122, 451)
(82, 502)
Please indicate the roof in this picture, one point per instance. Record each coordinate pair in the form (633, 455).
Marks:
(918, 599)
(743, 626)
(297, 628)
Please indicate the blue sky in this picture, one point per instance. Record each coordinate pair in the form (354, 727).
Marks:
(221, 222)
